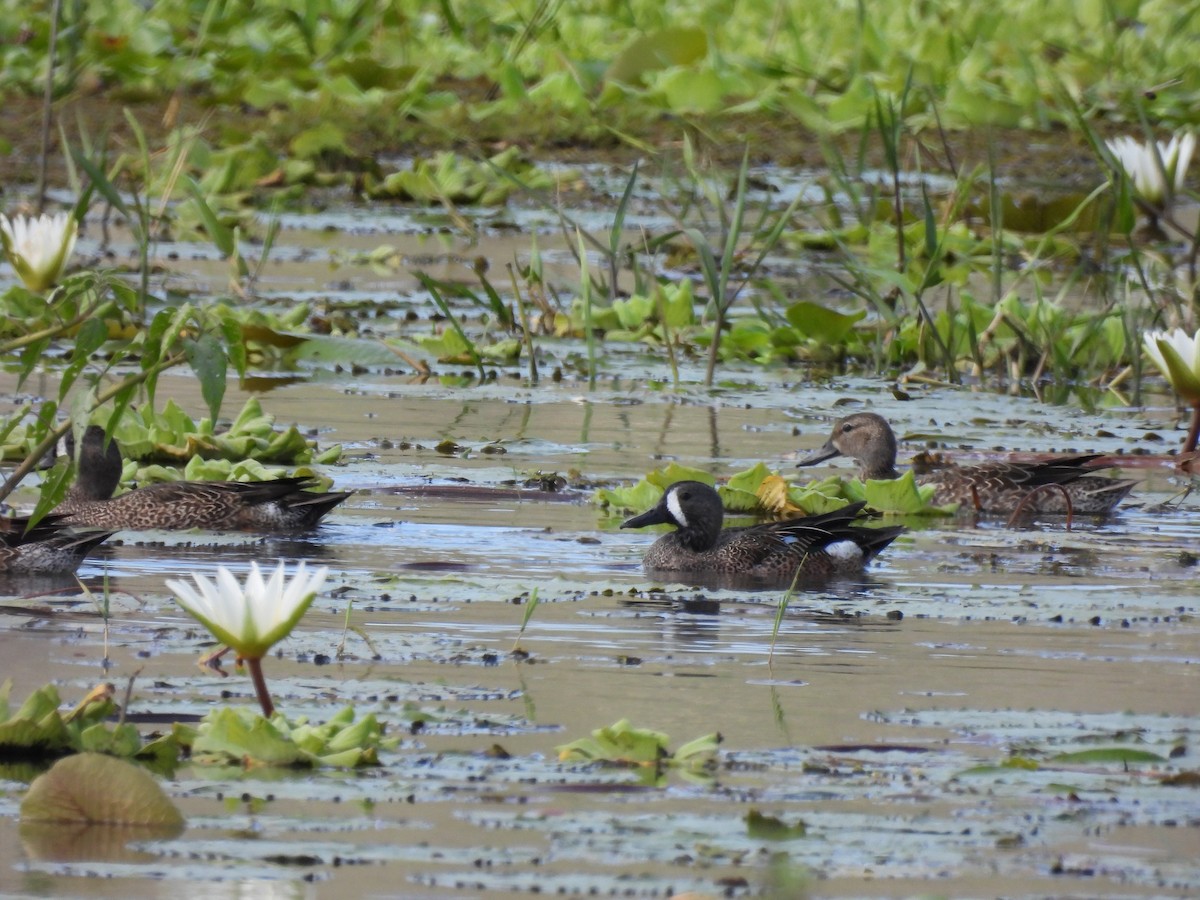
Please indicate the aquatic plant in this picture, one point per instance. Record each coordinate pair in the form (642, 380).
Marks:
(39, 729)
(251, 618)
(1157, 169)
(623, 744)
(1177, 356)
(761, 491)
(240, 737)
(39, 248)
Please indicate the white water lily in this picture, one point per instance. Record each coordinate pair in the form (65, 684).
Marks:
(250, 619)
(38, 249)
(1155, 184)
(1177, 355)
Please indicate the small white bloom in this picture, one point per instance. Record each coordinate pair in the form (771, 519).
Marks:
(39, 248)
(1177, 355)
(250, 619)
(1142, 166)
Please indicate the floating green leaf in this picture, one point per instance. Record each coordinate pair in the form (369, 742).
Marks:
(94, 788)
(772, 828)
(239, 735)
(1122, 755)
(624, 745)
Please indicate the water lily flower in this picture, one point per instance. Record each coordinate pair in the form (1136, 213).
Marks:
(1177, 355)
(249, 619)
(1154, 183)
(38, 249)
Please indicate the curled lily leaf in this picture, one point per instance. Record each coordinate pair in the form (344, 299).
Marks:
(38, 248)
(250, 618)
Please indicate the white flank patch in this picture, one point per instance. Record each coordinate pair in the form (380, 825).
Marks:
(847, 550)
(676, 510)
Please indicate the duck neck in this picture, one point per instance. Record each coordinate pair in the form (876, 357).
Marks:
(878, 459)
(878, 471)
(96, 478)
(700, 534)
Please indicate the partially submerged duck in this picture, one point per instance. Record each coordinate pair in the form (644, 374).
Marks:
(48, 548)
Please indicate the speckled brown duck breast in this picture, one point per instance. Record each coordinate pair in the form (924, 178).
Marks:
(821, 546)
(50, 547)
(280, 505)
(999, 487)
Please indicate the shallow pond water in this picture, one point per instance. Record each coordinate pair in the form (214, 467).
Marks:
(869, 722)
(881, 716)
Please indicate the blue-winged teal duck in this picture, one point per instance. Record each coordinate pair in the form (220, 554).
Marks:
(48, 548)
(998, 487)
(280, 505)
(821, 546)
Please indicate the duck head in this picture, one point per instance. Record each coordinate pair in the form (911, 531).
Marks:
(694, 508)
(866, 438)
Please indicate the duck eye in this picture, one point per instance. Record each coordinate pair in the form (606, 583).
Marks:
(847, 427)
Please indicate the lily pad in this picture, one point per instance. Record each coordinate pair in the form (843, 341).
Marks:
(97, 789)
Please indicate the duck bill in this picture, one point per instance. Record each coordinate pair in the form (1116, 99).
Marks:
(656, 516)
(827, 452)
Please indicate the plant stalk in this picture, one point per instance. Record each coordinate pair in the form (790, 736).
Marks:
(47, 102)
(260, 686)
(1194, 431)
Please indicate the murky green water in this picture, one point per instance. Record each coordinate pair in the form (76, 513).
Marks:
(873, 721)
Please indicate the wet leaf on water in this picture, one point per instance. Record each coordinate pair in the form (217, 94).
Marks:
(772, 828)
(618, 744)
(623, 744)
(241, 735)
(647, 492)
(903, 496)
(40, 730)
(1108, 755)
(1003, 768)
(95, 788)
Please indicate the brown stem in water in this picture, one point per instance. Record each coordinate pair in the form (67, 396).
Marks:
(260, 686)
(1194, 431)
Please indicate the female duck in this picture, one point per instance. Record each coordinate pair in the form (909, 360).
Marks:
(821, 546)
(1054, 486)
(48, 548)
(279, 505)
